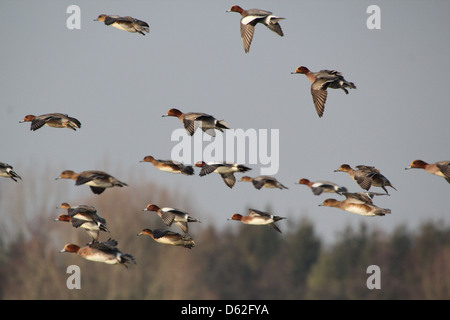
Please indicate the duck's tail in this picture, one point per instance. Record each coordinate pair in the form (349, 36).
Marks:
(277, 218)
(188, 242)
(188, 170)
(102, 227)
(346, 84)
(242, 168)
(382, 212)
(190, 219)
(222, 124)
(340, 190)
(126, 258)
(14, 175)
(120, 184)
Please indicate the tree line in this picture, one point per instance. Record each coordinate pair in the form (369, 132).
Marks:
(238, 262)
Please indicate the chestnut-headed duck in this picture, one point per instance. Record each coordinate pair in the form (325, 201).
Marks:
(250, 18)
(318, 187)
(359, 202)
(169, 237)
(55, 120)
(256, 217)
(98, 181)
(366, 176)
(7, 171)
(171, 215)
(264, 182)
(321, 81)
(226, 170)
(105, 252)
(127, 23)
(85, 217)
(169, 166)
(194, 120)
(440, 168)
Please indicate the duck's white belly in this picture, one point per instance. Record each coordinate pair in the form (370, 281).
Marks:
(359, 209)
(100, 184)
(260, 221)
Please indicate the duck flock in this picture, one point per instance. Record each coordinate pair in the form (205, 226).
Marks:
(87, 218)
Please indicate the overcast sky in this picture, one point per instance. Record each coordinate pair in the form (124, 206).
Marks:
(118, 84)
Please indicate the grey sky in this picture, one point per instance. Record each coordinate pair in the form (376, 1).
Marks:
(119, 84)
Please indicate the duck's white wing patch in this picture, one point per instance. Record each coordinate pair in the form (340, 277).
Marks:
(249, 19)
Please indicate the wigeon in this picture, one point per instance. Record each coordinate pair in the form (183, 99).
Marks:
(169, 166)
(171, 215)
(264, 182)
(321, 81)
(256, 217)
(366, 176)
(85, 217)
(55, 120)
(98, 181)
(359, 202)
(7, 171)
(440, 168)
(127, 23)
(105, 252)
(250, 18)
(318, 187)
(194, 120)
(226, 170)
(169, 237)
